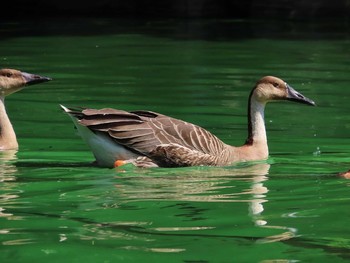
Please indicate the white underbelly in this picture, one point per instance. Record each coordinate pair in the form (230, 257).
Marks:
(105, 149)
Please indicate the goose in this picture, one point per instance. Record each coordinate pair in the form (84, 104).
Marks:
(345, 175)
(12, 80)
(150, 139)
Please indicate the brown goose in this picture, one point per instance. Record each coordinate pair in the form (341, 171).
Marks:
(345, 175)
(150, 139)
(12, 80)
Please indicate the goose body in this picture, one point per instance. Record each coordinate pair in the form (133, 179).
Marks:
(12, 80)
(150, 139)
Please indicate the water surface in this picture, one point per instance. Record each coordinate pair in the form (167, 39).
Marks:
(55, 205)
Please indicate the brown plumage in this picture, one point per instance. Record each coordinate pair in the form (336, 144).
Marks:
(148, 139)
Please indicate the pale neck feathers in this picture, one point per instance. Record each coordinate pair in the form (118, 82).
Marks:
(256, 147)
(8, 138)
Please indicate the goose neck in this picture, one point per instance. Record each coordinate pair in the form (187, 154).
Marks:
(8, 138)
(256, 122)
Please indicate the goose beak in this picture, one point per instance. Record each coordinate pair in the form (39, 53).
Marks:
(31, 79)
(293, 95)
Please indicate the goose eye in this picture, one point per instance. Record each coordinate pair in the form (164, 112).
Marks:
(275, 84)
(9, 74)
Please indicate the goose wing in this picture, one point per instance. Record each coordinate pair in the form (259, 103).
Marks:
(144, 131)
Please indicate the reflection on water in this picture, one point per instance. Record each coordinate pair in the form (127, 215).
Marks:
(202, 185)
(7, 169)
(210, 185)
(7, 174)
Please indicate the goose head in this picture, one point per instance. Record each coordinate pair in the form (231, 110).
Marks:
(271, 88)
(12, 80)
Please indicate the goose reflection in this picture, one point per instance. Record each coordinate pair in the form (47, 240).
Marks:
(207, 185)
(195, 184)
(7, 168)
(7, 171)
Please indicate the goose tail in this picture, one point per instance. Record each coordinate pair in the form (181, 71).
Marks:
(73, 112)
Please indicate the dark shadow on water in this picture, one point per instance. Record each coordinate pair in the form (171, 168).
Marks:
(21, 164)
(177, 29)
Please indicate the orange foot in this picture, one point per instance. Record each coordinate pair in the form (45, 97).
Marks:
(119, 163)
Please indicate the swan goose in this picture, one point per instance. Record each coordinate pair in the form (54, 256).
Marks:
(150, 139)
(12, 80)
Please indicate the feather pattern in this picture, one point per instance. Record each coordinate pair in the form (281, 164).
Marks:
(149, 139)
(144, 131)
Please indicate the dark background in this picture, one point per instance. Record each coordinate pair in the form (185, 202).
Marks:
(275, 9)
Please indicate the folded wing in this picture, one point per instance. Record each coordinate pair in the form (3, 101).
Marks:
(144, 131)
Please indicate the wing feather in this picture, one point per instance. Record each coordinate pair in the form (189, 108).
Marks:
(144, 131)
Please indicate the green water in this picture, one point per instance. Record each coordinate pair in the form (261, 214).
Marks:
(55, 206)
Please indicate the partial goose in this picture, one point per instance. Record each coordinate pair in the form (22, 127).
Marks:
(150, 139)
(345, 175)
(12, 80)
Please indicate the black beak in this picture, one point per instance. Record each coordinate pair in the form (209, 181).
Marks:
(32, 79)
(293, 95)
